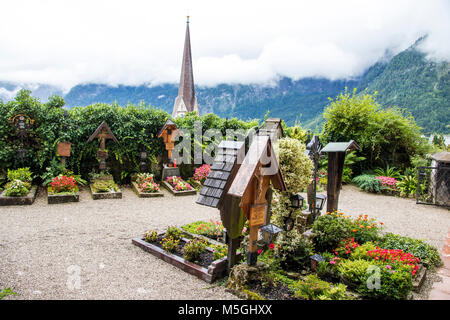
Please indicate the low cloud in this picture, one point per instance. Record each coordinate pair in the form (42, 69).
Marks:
(64, 43)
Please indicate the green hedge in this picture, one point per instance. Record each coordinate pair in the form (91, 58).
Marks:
(134, 126)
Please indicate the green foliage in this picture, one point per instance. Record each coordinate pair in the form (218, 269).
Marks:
(384, 135)
(151, 236)
(293, 251)
(330, 229)
(174, 232)
(354, 271)
(101, 186)
(17, 188)
(388, 172)
(294, 164)
(428, 255)
(6, 292)
(407, 186)
(361, 252)
(367, 182)
(394, 284)
(313, 288)
(22, 174)
(220, 252)
(169, 244)
(193, 249)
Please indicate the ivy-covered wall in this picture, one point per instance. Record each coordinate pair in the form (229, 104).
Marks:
(135, 127)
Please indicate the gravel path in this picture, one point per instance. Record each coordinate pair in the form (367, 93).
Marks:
(43, 247)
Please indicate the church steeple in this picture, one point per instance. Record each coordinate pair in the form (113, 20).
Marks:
(186, 100)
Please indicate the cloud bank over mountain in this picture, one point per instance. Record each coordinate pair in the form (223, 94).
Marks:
(64, 43)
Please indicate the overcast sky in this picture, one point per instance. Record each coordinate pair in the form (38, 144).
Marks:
(68, 42)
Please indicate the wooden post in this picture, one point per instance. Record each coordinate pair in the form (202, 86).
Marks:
(335, 171)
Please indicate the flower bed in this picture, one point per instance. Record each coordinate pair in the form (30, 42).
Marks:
(63, 189)
(145, 186)
(178, 187)
(19, 190)
(193, 255)
(105, 188)
(358, 262)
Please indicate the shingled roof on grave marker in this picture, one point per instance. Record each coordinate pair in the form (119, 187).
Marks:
(103, 131)
(216, 184)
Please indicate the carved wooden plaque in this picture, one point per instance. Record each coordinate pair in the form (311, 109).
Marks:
(63, 149)
(257, 213)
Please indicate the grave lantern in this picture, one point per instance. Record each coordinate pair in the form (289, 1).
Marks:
(320, 201)
(270, 232)
(297, 201)
(315, 259)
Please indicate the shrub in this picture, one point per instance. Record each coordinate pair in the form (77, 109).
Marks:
(313, 288)
(17, 188)
(395, 257)
(368, 183)
(293, 252)
(201, 173)
(173, 232)
(330, 229)
(346, 248)
(22, 174)
(169, 244)
(361, 252)
(193, 249)
(407, 186)
(220, 252)
(365, 229)
(387, 183)
(428, 255)
(100, 186)
(151, 236)
(388, 172)
(393, 284)
(354, 271)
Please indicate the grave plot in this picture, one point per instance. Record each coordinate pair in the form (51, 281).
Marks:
(19, 189)
(102, 184)
(145, 187)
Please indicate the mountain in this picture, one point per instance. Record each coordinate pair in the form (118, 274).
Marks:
(408, 80)
(8, 90)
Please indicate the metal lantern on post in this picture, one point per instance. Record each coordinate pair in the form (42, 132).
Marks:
(270, 232)
(320, 202)
(315, 259)
(297, 201)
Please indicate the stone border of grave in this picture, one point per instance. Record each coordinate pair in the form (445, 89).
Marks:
(62, 198)
(178, 193)
(105, 195)
(18, 201)
(216, 270)
(140, 194)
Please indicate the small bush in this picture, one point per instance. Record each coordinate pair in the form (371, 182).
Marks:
(17, 188)
(193, 249)
(169, 244)
(428, 255)
(151, 236)
(346, 248)
(330, 229)
(293, 252)
(62, 183)
(22, 174)
(201, 173)
(354, 271)
(220, 252)
(368, 183)
(365, 229)
(101, 186)
(313, 288)
(173, 232)
(361, 252)
(407, 186)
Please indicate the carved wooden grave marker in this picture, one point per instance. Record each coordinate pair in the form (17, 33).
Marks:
(259, 168)
(168, 132)
(22, 123)
(103, 132)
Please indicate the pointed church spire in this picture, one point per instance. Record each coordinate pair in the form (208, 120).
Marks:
(186, 100)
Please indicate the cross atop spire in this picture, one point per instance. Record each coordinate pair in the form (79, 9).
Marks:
(186, 100)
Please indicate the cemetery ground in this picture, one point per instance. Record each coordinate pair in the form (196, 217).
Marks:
(83, 250)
